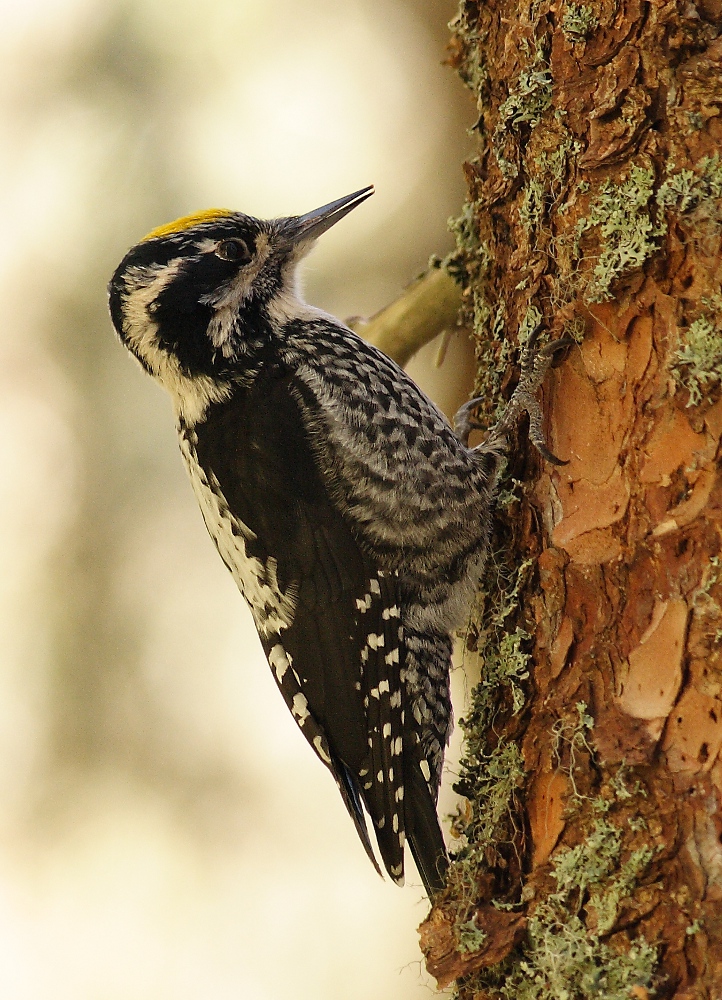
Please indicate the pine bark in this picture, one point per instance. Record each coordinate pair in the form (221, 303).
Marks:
(589, 861)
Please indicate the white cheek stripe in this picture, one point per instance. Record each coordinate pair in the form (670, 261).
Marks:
(272, 608)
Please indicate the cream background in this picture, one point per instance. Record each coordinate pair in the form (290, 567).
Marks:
(165, 831)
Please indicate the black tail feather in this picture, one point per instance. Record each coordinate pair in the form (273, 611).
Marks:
(349, 793)
(424, 833)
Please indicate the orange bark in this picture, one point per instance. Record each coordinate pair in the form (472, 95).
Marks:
(595, 209)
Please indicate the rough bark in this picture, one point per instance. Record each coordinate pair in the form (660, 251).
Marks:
(589, 861)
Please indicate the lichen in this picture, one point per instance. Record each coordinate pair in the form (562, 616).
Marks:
(528, 99)
(710, 578)
(469, 261)
(622, 214)
(492, 781)
(552, 163)
(507, 495)
(630, 218)
(575, 328)
(685, 190)
(566, 955)
(492, 769)
(532, 208)
(579, 22)
(470, 936)
(531, 321)
(500, 776)
(563, 958)
(569, 738)
(471, 68)
(471, 265)
(505, 667)
(697, 363)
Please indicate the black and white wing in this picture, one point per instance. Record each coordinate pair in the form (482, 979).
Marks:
(328, 618)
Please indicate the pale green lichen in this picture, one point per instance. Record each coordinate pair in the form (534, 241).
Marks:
(710, 578)
(629, 217)
(528, 99)
(499, 775)
(492, 780)
(460, 263)
(509, 665)
(531, 321)
(532, 208)
(498, 327)
(570, 738)
(565, 956)
(579, 22)
(471, 68)
(552, 164)
(697, 363)
(628, 233)
(505, 665)
(622, 791)
(575, 328)
(470, 937)
(508, 495)
(476, 75)
(502, 598)
(685, 190)
(492, 770)
(470, 265)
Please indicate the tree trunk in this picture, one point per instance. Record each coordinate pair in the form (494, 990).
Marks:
(589, 860)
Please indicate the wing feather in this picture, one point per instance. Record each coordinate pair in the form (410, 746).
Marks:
(336, 665)
(383, 701)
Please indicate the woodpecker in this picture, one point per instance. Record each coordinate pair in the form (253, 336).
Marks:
(353, 518)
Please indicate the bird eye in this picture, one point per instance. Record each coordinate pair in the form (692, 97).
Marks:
(235, 250)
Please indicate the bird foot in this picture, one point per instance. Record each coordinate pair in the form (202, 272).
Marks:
(534, 366)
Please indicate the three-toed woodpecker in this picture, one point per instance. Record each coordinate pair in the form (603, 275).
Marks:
(353, 519)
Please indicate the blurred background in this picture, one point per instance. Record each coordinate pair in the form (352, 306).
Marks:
(165, 831)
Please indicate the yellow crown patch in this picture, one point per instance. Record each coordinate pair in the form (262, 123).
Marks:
(186, 221)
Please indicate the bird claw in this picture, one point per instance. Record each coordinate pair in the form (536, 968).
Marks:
(534, 366)
(465, 422)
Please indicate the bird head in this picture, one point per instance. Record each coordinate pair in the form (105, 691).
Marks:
(196, 296)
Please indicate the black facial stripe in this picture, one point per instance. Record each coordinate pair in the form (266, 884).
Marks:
(195, 278)
(182, 332)
(180, 316)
